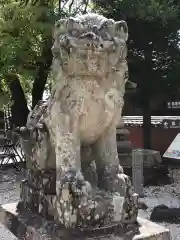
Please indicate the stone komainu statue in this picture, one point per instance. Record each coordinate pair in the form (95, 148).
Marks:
(81, 116)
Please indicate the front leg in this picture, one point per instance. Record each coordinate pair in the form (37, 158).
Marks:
(68, 166)
(111, 176)
(107, 161)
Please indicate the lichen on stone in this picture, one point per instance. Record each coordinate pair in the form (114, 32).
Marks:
(89, 68)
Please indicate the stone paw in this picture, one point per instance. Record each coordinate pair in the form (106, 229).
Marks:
(121, 183)
(95, 212)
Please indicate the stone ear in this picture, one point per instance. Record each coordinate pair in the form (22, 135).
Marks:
(73, 24)
(108, 26)
(121, 30)
(60, 27)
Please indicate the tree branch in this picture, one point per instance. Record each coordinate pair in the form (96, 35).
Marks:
(43, 71)
(20, 109)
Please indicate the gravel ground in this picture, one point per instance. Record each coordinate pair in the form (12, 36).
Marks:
(154, 195)
(9, 192)
(168, 195)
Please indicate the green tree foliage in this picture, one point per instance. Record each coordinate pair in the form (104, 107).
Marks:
(25, 46)
(153, 47)
(25, 42)
(23, 31)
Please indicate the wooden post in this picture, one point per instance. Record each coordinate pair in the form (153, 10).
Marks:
(137, 172)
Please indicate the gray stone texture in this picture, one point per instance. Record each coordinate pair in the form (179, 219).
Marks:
(73, 131)
(73, 171)
(32, 227)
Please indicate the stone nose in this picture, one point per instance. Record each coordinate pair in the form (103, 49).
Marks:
(89, 36)
(94, 45)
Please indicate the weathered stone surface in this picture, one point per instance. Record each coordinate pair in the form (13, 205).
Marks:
(100, 208)
(31, 226)
(90, 72)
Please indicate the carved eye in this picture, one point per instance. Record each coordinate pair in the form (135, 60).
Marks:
(74, 33)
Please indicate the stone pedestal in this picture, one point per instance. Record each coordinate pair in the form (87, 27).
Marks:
(38, 192)
(32, 226)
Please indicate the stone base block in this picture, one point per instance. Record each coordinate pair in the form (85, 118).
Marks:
(28, 226)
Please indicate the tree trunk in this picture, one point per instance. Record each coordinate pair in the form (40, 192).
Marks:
(146, 123)
(19, 109)
(146, 95)
(42, 74)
